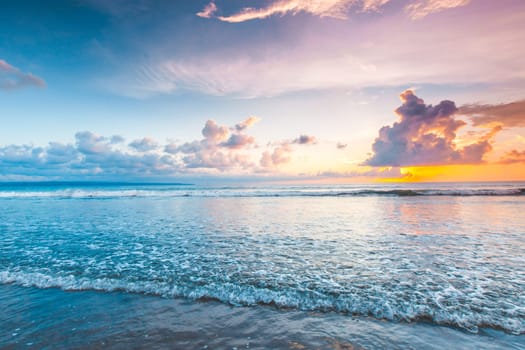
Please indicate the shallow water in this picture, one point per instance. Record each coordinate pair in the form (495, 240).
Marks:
(54, 319)
(424, 255)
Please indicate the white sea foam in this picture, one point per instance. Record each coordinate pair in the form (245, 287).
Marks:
(308, 192)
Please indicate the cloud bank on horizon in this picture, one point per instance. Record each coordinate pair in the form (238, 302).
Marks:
(222, 150)
(425, 135)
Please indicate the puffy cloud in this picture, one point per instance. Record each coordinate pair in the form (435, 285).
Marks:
(425, 135)
(222, 149)
(90, 143)
(219, 148)
(214, 132)
(280, 155)
(145, 144)
(58, 153)
(208, 11)
(216, 159)
(238, 141)
(513, 156)
(12, 78)
(422, 8)
(247, 123)
(506, 114)
(305, 140)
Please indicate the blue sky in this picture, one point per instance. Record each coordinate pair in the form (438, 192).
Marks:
(332, 69)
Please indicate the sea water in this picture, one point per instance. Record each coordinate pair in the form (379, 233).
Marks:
(371, 266)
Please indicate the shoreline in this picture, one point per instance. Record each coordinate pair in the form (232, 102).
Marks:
(38, 318)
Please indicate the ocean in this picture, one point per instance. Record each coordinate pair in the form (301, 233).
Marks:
(162, 266)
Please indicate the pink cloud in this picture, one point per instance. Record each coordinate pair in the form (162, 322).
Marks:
(208, 11)
(12, 78)
(507, 114)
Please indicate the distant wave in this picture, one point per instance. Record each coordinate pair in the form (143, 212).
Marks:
(249, 295)
(129, 193)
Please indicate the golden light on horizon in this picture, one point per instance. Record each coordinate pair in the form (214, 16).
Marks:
(459, 173)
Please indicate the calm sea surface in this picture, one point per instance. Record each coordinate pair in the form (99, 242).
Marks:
(162, 266)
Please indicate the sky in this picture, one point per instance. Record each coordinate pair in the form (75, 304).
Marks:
(302, 90)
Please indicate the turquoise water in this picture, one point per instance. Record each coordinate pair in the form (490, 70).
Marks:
(436, 255)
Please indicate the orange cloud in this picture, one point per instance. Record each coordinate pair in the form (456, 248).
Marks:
(513, 156)
(507, 114)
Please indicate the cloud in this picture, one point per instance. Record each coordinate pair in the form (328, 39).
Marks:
(507, 114)
(145, 144)
(305, 140)
(214, 132)
(208, 10)
(280, 155)
(90, 143)
(322, 8)
(12, 78)
(329, 8)
(512, 157)
(341, 145)
(425, 135)
(383, 173)
(219, 150)
(247, 123)
(237, 141)
(422, 8)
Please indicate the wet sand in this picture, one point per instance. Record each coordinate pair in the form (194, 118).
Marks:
(55, 319)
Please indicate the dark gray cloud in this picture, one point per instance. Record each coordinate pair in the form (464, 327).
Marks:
(425, 135)
(12, 78)
(506, 114)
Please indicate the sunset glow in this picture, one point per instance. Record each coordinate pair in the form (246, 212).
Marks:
(302, 90)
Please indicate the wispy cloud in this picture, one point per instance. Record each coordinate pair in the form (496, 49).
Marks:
(322, 8)
(507, 114)
(422, 8)
(12, 78)
(329, 8)
(426, 135)
(513, 156)
(208, 11)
